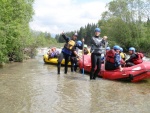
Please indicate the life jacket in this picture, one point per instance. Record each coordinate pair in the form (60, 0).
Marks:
(70, 44)
(123, 55)
(68, 47)
(138, 59)
(110, 56)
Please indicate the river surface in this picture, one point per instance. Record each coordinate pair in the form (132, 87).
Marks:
(34, 87)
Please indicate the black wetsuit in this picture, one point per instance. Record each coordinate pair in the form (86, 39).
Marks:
(73, 58)
(96, 51)
(129, 61)
(65, 56)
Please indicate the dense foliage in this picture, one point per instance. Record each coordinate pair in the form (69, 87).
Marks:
(15, 34)
(14, 27)
(127, 23)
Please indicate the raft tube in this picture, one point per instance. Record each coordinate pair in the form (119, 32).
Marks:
(53, 60)
(134, 74)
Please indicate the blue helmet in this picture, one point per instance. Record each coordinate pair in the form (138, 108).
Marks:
(97, 29)
(132, 49)
(108, 48)
(79, 43)
(116, 47)
(121, 49)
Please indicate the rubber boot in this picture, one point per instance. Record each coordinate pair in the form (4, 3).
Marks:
(94, 77)
(95, 74)
(65, 70)
(91, 75)
(72, 68)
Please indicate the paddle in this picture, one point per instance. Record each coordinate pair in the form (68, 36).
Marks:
(83, 57)
(106, 44)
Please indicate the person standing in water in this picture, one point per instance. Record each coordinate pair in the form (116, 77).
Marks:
(96, 51)
(68, 49)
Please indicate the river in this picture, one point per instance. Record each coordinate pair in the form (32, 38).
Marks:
(34, 87)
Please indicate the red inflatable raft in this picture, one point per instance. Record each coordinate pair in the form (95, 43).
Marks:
(134, 74)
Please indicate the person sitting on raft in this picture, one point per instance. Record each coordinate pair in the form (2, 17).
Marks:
(86, 51)
(113, 59)
(122, 54)
(103, 57)
(53, 53)
(135, 58)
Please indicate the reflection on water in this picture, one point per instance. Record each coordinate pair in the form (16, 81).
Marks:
(33, 87)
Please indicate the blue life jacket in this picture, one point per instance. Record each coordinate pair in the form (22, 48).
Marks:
(66, 51)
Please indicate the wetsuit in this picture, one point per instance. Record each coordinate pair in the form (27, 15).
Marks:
(129, 62)
(65, 54)
(73, 58)
(96, 50)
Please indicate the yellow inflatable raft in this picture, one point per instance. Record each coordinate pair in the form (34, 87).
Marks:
(53, 60)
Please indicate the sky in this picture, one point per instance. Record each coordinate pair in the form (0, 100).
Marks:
(56, 16)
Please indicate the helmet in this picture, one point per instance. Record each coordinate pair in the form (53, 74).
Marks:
(79, 43)
(108, 48)
(132, 49)
(76, 34)
(121, 49)
(85, 45)
(97, 29)
(116, 47)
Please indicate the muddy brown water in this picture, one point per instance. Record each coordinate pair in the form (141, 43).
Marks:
(33, 87)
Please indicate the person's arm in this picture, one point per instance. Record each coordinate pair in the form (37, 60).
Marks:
(75, 52)
(65, 37)
(118, 63)
(131, 57)
(93, 42)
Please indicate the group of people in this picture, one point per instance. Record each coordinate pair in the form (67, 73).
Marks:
(113, 58)
(53, 53)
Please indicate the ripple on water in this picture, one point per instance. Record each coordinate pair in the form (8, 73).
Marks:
(33, 87)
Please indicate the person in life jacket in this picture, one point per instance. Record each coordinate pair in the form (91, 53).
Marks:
(67, 50)
(86, 51)
(135, 58)
(103, 57)
(96, 50)
(113, 59)
(122, 54)
(73, 58)
(53, 53)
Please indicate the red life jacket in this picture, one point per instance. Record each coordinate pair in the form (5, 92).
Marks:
(138, 59)
(110, 56)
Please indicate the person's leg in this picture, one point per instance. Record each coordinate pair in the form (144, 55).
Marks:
(75, 62)
(129, 64)
(98, 57)
(109, 66)
(60, 58)
(66, 63)
(72, 63)
(93, 64)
